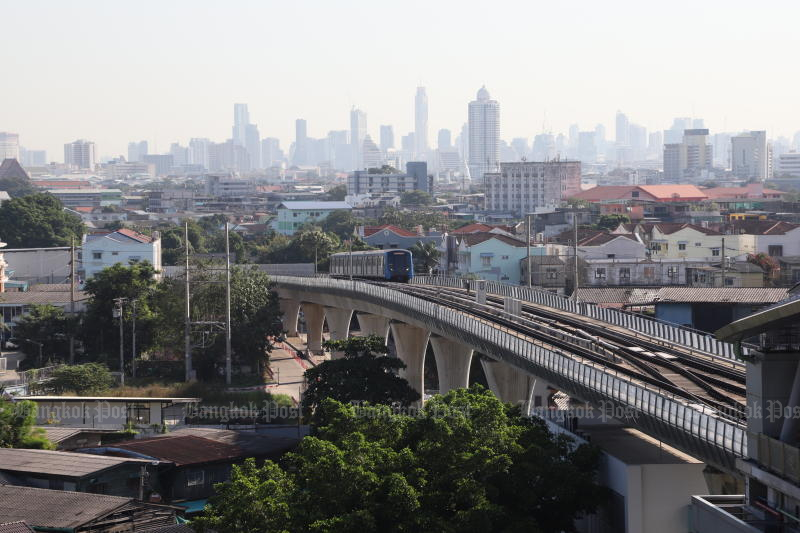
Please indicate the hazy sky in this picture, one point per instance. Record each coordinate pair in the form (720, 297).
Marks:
(167, 70)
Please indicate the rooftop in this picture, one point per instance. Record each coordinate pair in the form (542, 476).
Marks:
(32, 297)
(720, 295)
(121, 235)
(472, 239)
(15, 527)
(55, 508)
(303, 206)
(371, 230)
(633, 447)
(53, 463)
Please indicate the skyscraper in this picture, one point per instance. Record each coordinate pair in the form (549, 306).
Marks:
(180, 154)
(544, 147)
(358, 131)
(421, 123)
(252, 142)
(387, 137)
(300, 156)
(750, 156)
(9, 146)
(198, 151)
(372, 155)
(137, 150)
(692, 158)
(271, 153)
(444, 140)
(241, 118)
(623, 129)
(80, 154)
(484, 135)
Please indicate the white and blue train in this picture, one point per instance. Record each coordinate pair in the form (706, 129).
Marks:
(389, 265)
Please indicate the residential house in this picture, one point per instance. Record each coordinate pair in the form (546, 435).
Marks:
(735, 274)
(790, 270)
(15, 304)
(294, 215)
(388, 236)
(548, 272)
(492, 256)
(601, 272)
(657, 201)
(688, 241)
(104, 249)
(76, 512)
(77, 472)
(774, 238)
(750, 196)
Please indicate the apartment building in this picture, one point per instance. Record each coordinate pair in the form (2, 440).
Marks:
(526, 187)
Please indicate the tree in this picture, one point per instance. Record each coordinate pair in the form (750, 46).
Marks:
(17, 186)
(89, 378)
(48, 326)
(578, 203)
(17, 426)
(467, 463)
(364, 374)
(416, 197)
(341, 223)
(39, 221)
(384, 169)
(337, 193)
(100, 330)
(426, 256)
(611, 222)
(313, 243)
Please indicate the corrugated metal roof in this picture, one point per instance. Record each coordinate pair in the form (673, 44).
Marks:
(64, 464)
(617, 295)
(55, 508)
(315, 205)
(721, 295)
(15, 527)
(40, 297)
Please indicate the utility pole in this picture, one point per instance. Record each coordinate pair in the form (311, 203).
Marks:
(576, 284)
(187, 327)
(118, 310)
(528, 224)
(227, 304)
(133, 341)
(350, 257)
(72, 300)
(723, 262)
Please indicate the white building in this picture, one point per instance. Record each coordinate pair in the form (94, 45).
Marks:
(9, 146)
(525, 187)
(124, 246)
(372, 156)
(223, 185)
(80, 154)
(358, 131)
(750, 156)
(484, 135)
(421, 123)
(788, 165)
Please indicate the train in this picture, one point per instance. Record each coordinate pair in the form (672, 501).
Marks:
(387, 265)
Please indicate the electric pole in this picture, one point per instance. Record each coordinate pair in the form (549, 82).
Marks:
(118, 312)
(575, 253)
(227, 304)
(528, 224)
(133, 341)
(723, 262)
(72, 300)
(187, 327)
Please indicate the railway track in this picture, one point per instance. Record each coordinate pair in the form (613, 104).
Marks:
(696, 378)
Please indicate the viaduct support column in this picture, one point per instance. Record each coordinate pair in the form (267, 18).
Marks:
(338, 326)
(452, 362)
(373, 325)
(315, 318)
(411, 343)
(514, 386)
(289, 313)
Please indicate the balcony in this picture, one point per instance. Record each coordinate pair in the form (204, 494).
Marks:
(714, 514)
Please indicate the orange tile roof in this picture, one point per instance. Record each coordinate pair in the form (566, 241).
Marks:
(371, 230)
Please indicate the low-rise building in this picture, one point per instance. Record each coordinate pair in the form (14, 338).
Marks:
(293, 215)
(525, 187)
(105, 249)
(689, 241)
(491, 256)
(388, 236)
(79, 197)
(416, 178)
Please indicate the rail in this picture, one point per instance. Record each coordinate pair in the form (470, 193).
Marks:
(698, 340)
(657, 412)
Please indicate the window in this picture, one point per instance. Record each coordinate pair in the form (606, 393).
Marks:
(139, 413)
(611, 256)
(728, 282)
(625, 273)
(775, 250)
(114, 253)
(486, 261)
(600, 273)
(504, 257)
(97, 255)
(681, 246)
(672, 272)
(195, 478)
(715, 252)
(649, 272)
(552, 273)
(634, 194)
(698, 244)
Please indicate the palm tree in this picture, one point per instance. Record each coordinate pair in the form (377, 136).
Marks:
(426, 256)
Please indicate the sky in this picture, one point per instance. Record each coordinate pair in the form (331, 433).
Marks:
(115, 71)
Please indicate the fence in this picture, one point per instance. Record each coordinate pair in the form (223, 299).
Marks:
(698, 340)
(695, 428)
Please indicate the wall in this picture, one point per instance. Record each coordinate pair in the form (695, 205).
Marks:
(677, 313)
(42, 265)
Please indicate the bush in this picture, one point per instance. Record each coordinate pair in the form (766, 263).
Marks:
(89, 378)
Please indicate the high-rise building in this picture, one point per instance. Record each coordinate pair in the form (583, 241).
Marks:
(525, 187)
(421, 123)
(9, 146)
(637, 139)
(180, 154)
(655, 144)
(271, 153)
(300, 156)
(520, 147)
(623, 129)
(407, 144)
(198, 151)
(484, 135)
(137, 150)
(788, 165)
(339, 149)
(544, 147)
(387, 137)
(252, 142)
(750, 156)
(415, 178)
(372, 155)
(80, 154)
(241, 118)
(691, 158)
(674, 135)
(358, 131)
(587, 147)
(463, 144)
(32, 158)
(443, 141)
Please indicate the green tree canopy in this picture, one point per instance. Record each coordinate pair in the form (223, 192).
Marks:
(426, 256)
(46, 325)
(17, 426)
(364, 374)
(384, 169)
(38, 221)
(16, 186)
(89, 378)
(416, 197)
(612, 221)
(337, 193)
(467, 463)
(342, 223)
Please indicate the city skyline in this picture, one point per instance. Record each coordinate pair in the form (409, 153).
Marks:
(594, 64)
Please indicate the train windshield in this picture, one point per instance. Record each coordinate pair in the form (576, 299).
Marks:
(398, 262)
